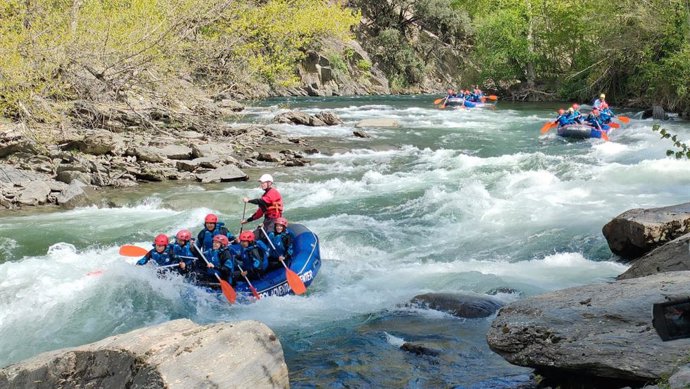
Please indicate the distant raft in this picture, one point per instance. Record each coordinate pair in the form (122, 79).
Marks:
(579, 131)
(461, 102)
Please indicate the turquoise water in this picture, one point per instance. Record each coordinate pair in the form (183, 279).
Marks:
(451, 201)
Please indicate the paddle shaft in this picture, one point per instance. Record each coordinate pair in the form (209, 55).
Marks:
(244, 212)
(223, 284)
(251, 287)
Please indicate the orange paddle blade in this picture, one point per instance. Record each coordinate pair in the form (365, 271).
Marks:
(624, 119)
(438, 101)
(227, 290)
(547, 127)
(604, 136)
(492, 97)
(132, 251)
(295, 282)
(614, 125)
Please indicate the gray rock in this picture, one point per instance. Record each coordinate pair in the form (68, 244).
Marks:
(271, 157)
(293, 117)
(673, 256)
(212, 150)
(72, 195)
(13, 141)
(602, 330)
(461, 305)
(147, 154)
(176, 355)
(637, 231)
(176, 152)
(69, 176)
(329, 118)
(419, 349)
(360, 134)
(223, 174)
(35, 192)
(680, 379)
(99, 142)
(232, 105)
(13, 176)
(383, 122)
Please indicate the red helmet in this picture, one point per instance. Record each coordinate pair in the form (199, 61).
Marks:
(604, 105)
(211, 218)
(282, 221)
(561, 111)
(576, 106)
(222, 239)
(247, 236)
(161, 240)
(184, 235)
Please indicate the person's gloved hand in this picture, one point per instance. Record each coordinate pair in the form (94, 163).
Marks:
(142, 262)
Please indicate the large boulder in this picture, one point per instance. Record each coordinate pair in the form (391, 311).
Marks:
(461, 305)
(176, 354)
(223, 174)
(35, 193)
(602, 331)
(637, 231)
(673, 256)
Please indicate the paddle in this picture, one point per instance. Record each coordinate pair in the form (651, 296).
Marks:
(614, 125)
(251, 287)
(438, 101)
(490, 97)
(293, 279)
(547, 127)
(604, 136)
(226, 288)
(623, 119)
(244, 211)
(132, 251)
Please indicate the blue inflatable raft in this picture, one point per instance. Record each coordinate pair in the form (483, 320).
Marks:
(306, 262)
(578, 131)
(461, 102)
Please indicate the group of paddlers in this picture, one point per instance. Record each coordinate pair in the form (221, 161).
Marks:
(216, 254)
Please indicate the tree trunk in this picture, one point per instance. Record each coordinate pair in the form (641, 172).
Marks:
(531, 76)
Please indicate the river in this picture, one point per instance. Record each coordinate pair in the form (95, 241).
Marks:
(451, 201)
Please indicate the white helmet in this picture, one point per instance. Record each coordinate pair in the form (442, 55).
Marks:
(266, 178)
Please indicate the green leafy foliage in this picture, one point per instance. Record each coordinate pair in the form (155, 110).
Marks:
(93, 49)
(682, 150)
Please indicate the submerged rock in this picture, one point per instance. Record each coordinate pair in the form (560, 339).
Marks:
(603, 331)
(461, 305)
(385, 122)
(176, 354)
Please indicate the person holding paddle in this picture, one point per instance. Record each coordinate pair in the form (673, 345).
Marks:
(212, 228)
(281, 247)
(182, 250)
(218, 261)
(161, 253)
(252, 256)
(270, 203)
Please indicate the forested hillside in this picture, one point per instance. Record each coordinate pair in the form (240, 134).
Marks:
(56, 51)
(636, 51)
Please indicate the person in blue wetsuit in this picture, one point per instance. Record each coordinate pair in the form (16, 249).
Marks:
(183, 250)
(562, 118)
(575, 116)
(281, 248)
(594, 120)
(211, 228)
(605, 113)
(161, 253)
(219, 261)
(252, 255)
(598, 102)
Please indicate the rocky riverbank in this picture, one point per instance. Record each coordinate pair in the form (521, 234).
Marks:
(110, 146)
(175, 354)
(606, 335)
